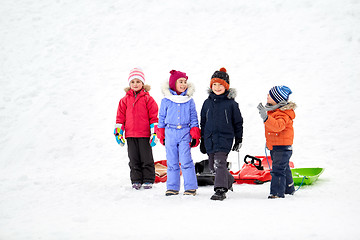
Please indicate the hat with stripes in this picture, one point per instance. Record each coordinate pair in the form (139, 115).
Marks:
(280, 93)
(137, 73)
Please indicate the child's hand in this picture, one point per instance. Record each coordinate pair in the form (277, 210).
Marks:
(153, 138)
(194, 142)
(119, 134)
(262, 112)
(202, 146)
(237, 145)
(196, 135)
(160, 132)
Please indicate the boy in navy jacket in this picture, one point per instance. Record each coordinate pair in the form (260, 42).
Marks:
(221, 122)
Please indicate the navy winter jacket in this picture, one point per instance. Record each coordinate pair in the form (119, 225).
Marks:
(221, 121)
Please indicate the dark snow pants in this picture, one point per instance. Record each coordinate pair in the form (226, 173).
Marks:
(142, 169)
(218, 164)
(281, 178)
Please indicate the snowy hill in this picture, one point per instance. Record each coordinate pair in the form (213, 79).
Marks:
(64, 65)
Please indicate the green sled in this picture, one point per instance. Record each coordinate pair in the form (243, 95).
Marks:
(310, 174)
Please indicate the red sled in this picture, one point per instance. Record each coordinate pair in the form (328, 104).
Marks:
(255, 171)
(161, 171)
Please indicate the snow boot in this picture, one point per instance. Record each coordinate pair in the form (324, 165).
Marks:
(190, 192)
(136, 186)
(171, 192)
(148, 185)
(219, 194)
(274, 196)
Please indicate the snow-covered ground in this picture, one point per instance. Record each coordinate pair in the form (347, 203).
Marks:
(63, 67)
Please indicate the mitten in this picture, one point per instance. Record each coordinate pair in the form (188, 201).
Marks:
(237, 144)
(119, 134)
(202, 146)
(160, 132)
(262, 112)
(153, 138)
(195, 135)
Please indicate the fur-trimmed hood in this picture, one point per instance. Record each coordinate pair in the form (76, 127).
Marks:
(231, 93)
(166, 89)
(146, 87)
(281, 106)
(289, 106)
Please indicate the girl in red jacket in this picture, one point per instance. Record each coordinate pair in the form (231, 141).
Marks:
(137, 117)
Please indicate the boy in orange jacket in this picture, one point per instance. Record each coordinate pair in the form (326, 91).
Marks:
(278, 115)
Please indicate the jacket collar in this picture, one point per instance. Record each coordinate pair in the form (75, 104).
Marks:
(229, 94)
(173, 96)
(146, 88)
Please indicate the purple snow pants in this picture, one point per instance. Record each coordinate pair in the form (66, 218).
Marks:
(178, 151)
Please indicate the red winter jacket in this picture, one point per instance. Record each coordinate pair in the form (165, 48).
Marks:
(137, 112)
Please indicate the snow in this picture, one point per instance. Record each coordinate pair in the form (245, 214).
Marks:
(64, 65)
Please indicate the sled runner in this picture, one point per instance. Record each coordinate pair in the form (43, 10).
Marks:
(306, 176)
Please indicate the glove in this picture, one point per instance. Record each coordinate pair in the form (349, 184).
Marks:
(119, 134)
(196, 135)
(202, 146)
(194, 142)
(153, 138)
(237, 144)
(262, 112)
(160, 132)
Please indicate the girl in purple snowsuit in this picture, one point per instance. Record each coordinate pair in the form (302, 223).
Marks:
(178, 130)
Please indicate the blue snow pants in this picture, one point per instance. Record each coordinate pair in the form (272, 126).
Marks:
(281, 178)
(177, 145)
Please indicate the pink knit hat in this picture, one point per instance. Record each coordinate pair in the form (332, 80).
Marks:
(137, 73)
(175, 75)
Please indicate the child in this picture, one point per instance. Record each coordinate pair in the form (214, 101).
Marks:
(178, 131)
(137, 116)
(278, 116)
(221, 121)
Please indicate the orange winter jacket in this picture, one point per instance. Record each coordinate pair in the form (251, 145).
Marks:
(279, 126)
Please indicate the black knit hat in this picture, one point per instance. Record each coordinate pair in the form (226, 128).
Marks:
(222, 77)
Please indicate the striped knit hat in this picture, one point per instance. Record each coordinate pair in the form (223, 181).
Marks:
(221, 77)
(136, 73)
(280, 93)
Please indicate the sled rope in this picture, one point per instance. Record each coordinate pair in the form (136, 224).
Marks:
(267, 158)
(301, 183)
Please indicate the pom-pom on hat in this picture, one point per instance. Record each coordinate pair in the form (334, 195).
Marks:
(280, 93)
(136, 73)
(174, 76)
(221, 77)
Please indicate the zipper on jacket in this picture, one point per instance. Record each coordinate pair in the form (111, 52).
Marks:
(227, 120)
(207, 114)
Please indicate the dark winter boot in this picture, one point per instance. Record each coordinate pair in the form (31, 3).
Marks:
(274, 196)
(219, 194)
